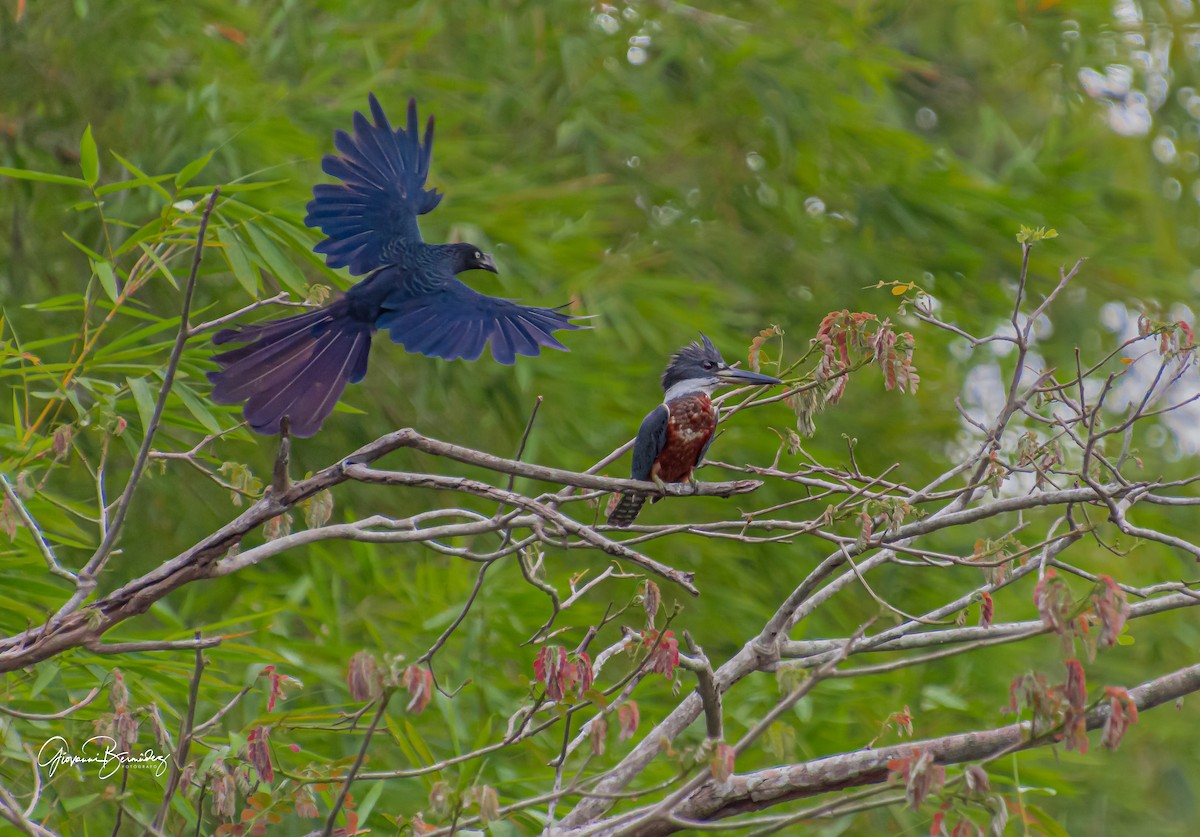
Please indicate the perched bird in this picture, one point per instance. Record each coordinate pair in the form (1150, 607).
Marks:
(676, 434)
(298, 366)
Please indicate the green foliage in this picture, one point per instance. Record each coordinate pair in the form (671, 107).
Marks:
(761, 165)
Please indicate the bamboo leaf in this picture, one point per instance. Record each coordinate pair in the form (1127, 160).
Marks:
(198, 408)
(89, 157)
(188, 172)
(143, 398)
(239, 263)
(41, 176)
(108, 279)
(286, 272)
(142, 177)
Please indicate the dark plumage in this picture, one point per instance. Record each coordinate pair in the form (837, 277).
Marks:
(676, 434)
(299, 366)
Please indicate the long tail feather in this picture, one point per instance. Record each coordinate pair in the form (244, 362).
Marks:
(295, 367)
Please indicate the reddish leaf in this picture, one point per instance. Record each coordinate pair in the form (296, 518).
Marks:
(223, 791)
(228, 32)
(258, 752)
(1112, 609)
(441, 799)
(921, 774)
(1032, 691)
(627, 720)
(577, 673)
(986, 609)
(161, 737)
(651, 601)
(1186, 337)
(976, 780)
(275, 688)
(938, 825)
(549, 668)
(965, 828)
(489, 803)
(903, 721)
(597, 733)
(126, 730)
(305, 803)
(118, 693)
(419, 683)
(1122, 713)
(9, 520)
(1076, 686)
(278, 527)
(1075, 731)
(418, 825)
(62, 440)
(721, 763)
(1052, 598)
(757, 343)
(664, 653)
(363, 676)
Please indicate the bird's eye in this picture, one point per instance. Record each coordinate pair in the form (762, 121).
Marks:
(708, 366)
(478, 255)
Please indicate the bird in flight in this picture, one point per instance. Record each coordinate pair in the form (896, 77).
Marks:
(298, 366)
(676, 434)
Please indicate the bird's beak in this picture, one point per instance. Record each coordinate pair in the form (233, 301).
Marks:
(743, 377)
(486, 263)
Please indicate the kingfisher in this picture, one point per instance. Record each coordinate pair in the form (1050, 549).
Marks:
(298, 366)
(676, 434)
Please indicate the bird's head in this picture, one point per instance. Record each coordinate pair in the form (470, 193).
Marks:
(699, 367)
(469, 257)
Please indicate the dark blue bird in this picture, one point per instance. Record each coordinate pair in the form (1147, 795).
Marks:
(298, 366)
(676, 434)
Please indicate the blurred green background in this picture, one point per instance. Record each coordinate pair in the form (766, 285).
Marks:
(667, 168)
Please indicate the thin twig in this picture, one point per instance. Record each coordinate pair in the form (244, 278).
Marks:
(358, 762)
(185, 738)
(97, 561)
(35, 531)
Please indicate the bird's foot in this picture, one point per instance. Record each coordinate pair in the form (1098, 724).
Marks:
(657, 480)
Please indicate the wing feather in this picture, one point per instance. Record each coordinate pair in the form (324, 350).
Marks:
(375, 208)
(458, 322)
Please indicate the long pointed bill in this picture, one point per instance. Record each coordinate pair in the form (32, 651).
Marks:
(743, 377)
(486, 263)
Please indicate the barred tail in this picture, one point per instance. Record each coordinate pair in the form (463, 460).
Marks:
(627, 509)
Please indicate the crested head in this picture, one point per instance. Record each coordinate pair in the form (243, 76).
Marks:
(698, 361)
(699, 367)
(463, 256)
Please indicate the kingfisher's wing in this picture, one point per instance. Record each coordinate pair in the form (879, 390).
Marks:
(375, 208)
(454, 321)
(651, 439)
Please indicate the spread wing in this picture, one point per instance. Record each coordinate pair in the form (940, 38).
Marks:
(651, 439)
(457, 322)
(375, 208)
